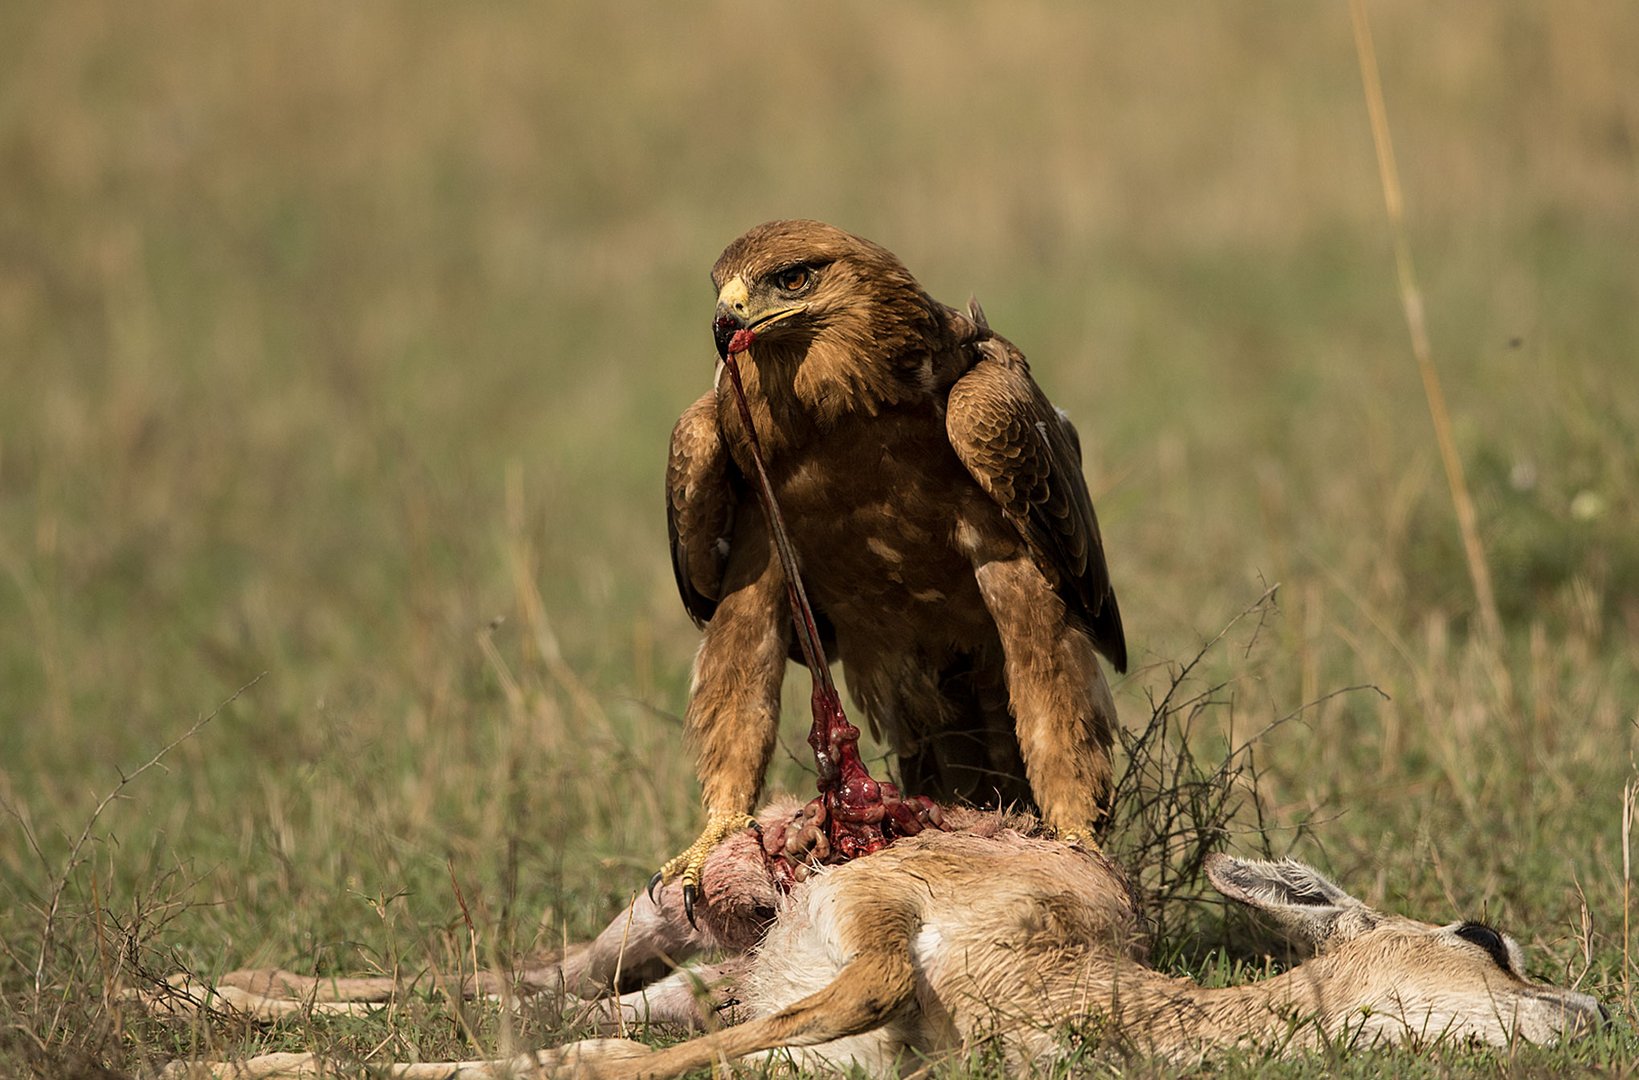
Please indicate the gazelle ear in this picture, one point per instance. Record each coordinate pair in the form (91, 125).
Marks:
(1300, 899)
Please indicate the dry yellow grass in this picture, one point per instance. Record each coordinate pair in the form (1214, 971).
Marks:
(342, 343)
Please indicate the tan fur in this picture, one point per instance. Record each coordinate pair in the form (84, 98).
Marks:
(994, 936)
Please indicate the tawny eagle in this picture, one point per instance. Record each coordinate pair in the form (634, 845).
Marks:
(945, 535)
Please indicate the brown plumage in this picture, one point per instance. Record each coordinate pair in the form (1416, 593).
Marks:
(944, 530)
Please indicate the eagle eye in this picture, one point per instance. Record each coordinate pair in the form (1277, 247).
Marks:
(793, 279)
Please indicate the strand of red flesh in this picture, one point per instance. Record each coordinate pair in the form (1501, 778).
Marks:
(857, 814)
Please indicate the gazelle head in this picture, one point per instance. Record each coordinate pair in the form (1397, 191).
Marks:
(1385, 977)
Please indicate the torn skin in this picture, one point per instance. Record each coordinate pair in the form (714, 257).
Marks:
(853, 814)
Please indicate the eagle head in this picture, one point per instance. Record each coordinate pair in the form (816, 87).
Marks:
(795, 285)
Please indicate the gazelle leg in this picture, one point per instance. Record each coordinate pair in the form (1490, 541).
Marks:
(640, 944)
(866, 993)
(697, 998)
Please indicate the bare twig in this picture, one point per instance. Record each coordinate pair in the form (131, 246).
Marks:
(1178, 798)
(1411, 301)
(1171, 808)
(73, 860)
(1182, 674)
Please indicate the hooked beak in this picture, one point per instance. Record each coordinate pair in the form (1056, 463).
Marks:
(736, 325)
(724, 329)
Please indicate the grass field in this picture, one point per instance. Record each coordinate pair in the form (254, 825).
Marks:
(339, 346)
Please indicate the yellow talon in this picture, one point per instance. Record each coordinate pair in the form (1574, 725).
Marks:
(720, 825)
(1081, 838)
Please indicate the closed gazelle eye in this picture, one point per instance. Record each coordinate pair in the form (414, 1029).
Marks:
(1489, 940)
(793, 279)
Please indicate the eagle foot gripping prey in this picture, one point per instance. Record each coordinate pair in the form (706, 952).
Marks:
(853, 814)
(687, 866)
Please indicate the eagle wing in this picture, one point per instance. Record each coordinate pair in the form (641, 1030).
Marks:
(700, 503)
(1027, 457)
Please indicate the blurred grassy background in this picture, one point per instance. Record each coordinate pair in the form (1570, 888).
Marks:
(343, 343)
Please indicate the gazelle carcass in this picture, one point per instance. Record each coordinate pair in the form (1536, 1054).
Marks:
(988, 935)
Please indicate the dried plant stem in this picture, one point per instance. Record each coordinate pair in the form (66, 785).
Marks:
(1411, 301)
(73, 860)
(1628, 792)
(620, 962)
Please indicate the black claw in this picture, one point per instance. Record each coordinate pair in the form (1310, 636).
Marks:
(654, 883)
(689, 893)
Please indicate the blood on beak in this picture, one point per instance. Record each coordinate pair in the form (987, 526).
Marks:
(731, 335)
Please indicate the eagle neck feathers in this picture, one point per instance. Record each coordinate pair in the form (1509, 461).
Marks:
(904, 350)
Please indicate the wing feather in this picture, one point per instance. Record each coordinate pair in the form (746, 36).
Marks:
(1027, 457)
(700, 505)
